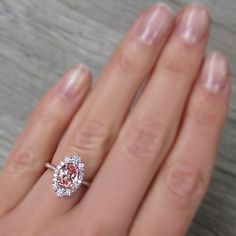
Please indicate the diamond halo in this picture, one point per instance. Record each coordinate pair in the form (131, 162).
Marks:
(68, 176)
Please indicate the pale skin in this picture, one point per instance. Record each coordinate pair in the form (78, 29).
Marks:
(149, 161)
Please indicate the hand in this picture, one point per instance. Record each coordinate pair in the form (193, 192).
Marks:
(156, 156)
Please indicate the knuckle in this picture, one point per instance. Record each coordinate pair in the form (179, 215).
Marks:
(145, 140)
(174, 67)
(201, 110)
(23, 160)
(47, 112)
(126, 59)
(93, 136)
(185, 183)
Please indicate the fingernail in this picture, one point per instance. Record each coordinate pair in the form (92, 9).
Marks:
(215, 73)
(193, 24)
(155, 24)
(73, 81)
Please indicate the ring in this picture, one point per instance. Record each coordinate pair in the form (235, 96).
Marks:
(68, 176)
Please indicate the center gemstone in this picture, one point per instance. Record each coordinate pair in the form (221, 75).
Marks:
(68, 175)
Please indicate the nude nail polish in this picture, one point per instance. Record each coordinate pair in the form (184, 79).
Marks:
(215, 73)
(155, 24)
(193, 24)
(73, 81)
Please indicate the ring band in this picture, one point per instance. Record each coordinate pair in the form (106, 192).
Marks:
(68, 176)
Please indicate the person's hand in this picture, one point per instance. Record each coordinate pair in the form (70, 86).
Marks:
(156, 156)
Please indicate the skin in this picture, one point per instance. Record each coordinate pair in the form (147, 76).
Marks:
(149, 157)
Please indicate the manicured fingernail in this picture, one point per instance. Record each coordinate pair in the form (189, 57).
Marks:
(194, 23)
(155, 24)
(215, 73)
(73, 81)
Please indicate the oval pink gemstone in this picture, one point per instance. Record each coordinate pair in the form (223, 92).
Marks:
(68, 175)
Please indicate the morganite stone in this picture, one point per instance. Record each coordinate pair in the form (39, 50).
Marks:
(68, 175)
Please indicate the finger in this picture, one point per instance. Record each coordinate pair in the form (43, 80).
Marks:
(94, 129)
(183, 180)
(150, 130)
(40, 138)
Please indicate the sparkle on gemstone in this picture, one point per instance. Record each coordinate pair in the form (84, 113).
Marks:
(68, 175)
